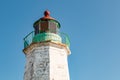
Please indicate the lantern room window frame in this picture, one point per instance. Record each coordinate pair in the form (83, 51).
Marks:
(42, 26)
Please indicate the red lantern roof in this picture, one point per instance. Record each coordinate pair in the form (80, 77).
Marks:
(47, 15)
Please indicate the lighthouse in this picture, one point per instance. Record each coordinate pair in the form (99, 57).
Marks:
(46, 50)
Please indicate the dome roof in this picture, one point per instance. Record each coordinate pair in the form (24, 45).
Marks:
(47, 15)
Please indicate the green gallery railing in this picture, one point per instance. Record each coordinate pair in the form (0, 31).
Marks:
(30, 38)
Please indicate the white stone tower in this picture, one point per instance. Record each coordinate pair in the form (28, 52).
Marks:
(46, 51)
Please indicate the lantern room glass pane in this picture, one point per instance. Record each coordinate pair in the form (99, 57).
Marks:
(44, 26)
(36, 28)
(52, 27)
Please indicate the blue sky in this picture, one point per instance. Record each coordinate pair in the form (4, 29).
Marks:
(92, 25)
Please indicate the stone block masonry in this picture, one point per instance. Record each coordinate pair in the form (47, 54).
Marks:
(46, 61)
(37, 65)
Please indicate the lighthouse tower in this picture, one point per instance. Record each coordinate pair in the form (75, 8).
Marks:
(46, 50)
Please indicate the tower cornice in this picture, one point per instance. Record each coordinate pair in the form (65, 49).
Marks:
(46, 43)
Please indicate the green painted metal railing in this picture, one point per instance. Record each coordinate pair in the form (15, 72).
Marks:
(28, 39)
(31, 38)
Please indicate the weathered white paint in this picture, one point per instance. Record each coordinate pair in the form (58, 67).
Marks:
(58, 64)
(46, 63)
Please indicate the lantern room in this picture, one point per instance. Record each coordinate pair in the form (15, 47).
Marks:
(46, 24)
